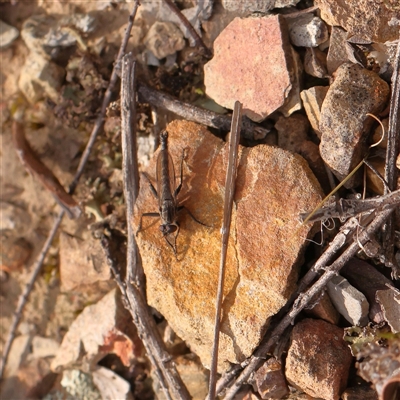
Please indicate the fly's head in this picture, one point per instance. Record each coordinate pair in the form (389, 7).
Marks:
(167, 229)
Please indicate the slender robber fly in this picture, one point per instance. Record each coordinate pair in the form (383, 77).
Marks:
(166, 194)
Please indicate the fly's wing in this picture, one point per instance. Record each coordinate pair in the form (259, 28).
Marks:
(165, 177)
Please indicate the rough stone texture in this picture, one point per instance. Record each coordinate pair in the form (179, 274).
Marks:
(7, 35)
(312, 101)
(318, 359)
(315, 62)
(307, 31)
(293, 101)
(349, 301)
(310, 152)
(359, 393)
(40, 77)
(248, 5)
(389, 299)
(324, 309)
(269, 380)
(253, 63)
(102, 328)
(368, 280)
(344, 124)
(371, 20)
(273, 187)
(337, 53)
(111, 385)
(164, 39)
(82, 262)
(292, 131)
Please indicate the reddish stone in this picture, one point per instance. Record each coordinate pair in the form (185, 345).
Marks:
(252, 63)
(318, 360)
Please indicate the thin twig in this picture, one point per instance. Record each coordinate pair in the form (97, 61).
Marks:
(134, 293)
(109, 249)
(304, 299)
(43, 174)
(106, 100)
(392, 152)
(195, 36)
(344, 208)
(196, 114)
(23, 298)
(231, 173)
(130, 168)
(85, 156)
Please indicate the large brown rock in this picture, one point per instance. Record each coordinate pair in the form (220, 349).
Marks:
(266, 242)
(253, 63)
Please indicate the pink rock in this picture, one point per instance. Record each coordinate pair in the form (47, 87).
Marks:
(318, 359)
(252, 63)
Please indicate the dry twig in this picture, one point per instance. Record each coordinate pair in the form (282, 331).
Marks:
(392, 152)
(344, 208)
(196, 114)
(231, 173)
(85, 156)
(45, 176)
(195, 36)
(132, 292)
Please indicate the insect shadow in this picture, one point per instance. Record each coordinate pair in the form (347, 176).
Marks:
(166, 194)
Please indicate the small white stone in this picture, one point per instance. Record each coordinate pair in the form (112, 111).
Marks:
(350, 302)
(7, 35)
(307, 31)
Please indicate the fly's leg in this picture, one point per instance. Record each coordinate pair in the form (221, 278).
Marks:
(192, 216)
(173, 245)
(149, 214)
(178, 189)
(152, 188)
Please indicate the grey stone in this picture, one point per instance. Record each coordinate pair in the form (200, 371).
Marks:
(344, 122)
(307, 31)
(350, 302)
(164, 39)
(40, 78)
(7, 35)
(337, 54)
(248, 5)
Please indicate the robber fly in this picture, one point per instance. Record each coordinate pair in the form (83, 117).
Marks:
(166, 194)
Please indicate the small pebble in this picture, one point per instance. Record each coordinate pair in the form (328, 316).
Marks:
(307, 31)
(350, 302)
(7, 35)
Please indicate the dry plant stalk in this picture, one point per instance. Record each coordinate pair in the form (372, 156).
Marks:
(231, 173)
(196, 114)
(45, 176)
(85, 156)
